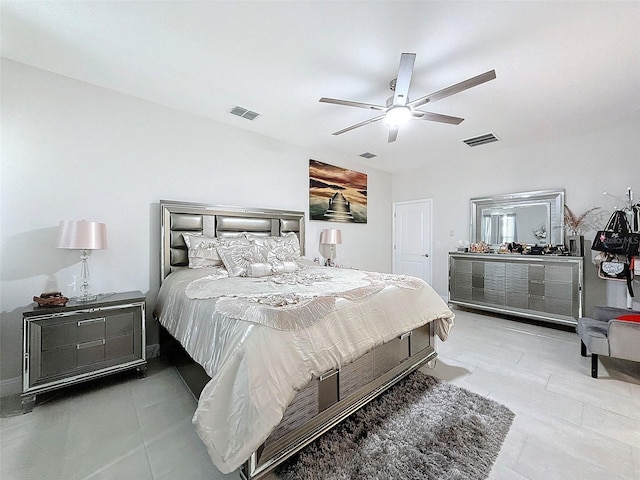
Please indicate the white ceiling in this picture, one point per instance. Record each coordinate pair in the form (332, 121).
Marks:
(563, 68)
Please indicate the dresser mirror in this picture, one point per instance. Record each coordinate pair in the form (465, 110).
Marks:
(532, 218)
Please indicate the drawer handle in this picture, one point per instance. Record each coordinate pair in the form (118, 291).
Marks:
(95, 343)
(92, 320)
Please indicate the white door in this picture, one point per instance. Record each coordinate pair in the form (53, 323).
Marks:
(412, 226)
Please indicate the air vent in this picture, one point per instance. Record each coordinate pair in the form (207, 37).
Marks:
(244, 113)
(368, 155)
(481, 140)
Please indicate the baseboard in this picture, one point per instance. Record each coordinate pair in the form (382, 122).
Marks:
(10, 386)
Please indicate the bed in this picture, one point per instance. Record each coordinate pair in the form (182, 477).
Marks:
(277, 353)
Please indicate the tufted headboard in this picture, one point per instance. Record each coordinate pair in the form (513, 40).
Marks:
(215, 221)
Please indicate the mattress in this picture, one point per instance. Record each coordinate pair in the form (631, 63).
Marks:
(261, 340)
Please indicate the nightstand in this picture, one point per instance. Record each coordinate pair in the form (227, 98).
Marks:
(81, 341)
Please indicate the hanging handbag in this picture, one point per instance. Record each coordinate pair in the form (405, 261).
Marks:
(612, 267)
(617, 237)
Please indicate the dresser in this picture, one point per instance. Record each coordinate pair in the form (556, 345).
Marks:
(539, 287)
(81, 341)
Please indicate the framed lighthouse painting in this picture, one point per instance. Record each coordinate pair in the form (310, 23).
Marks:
(337, 194)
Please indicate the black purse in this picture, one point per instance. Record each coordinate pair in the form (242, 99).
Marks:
(617, 237)
(613, 268)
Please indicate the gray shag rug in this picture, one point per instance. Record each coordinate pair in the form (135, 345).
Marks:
(421, 428)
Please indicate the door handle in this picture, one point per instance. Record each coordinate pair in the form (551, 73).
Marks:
(426, 255)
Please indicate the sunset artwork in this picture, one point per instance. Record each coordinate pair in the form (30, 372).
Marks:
(337, 194)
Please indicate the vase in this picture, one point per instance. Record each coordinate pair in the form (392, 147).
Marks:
(575, 245)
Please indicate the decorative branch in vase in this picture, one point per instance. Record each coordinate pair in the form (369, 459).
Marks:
(577, 225)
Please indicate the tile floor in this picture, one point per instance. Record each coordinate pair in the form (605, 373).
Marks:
(567, 426)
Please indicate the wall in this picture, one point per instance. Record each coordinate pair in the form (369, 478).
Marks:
(585, 166)
(74, 151)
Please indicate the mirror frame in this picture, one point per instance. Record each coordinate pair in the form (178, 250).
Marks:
(554, 197)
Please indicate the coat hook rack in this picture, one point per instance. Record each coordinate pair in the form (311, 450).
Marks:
(626, 203)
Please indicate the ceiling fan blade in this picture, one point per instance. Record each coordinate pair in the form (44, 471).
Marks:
(403, 80)
(457, 88)
(348, 103)
(393, 134)
(361, 124)
(437, 117)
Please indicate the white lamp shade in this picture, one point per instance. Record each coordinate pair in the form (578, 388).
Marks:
(82, 235)
(331, 236)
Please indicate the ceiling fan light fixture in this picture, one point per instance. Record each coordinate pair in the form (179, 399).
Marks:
(398, 110)
(397, 116)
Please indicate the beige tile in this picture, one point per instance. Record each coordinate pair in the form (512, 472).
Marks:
(95, 424)
(167, 450)
(134, 465)
(500, 472)
(35, 452)
(38, 471)
(613, 425)
(155, 419)
(533, 400)
(514, 374)
(115, 453)
(557, 364)
(159, 386)
(577, 444)
(200, 468)
(539, 460)
(54, 410)
(635, 453)
(609, 395)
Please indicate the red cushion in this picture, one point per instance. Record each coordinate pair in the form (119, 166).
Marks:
(630, 317)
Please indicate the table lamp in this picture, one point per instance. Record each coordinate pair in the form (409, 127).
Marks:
(82, 235)
(331, 237)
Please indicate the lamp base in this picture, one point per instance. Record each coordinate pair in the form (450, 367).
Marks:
(86, 298)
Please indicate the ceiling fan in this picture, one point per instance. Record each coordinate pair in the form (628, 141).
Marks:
(399, 110)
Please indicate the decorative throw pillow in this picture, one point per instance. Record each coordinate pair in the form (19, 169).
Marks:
(238, 258)
(265, 269)
(257, 270)
(285, 248)
(283, 266)
(630, 317)
(202, 250)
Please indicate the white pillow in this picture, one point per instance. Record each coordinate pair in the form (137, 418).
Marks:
(283, 267)
(238, 258)
(264, 269)
(257, 270)
(202, 251)
(285, 248)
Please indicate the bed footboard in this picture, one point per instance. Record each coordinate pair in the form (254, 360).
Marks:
(332, 397)
(326, 400)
